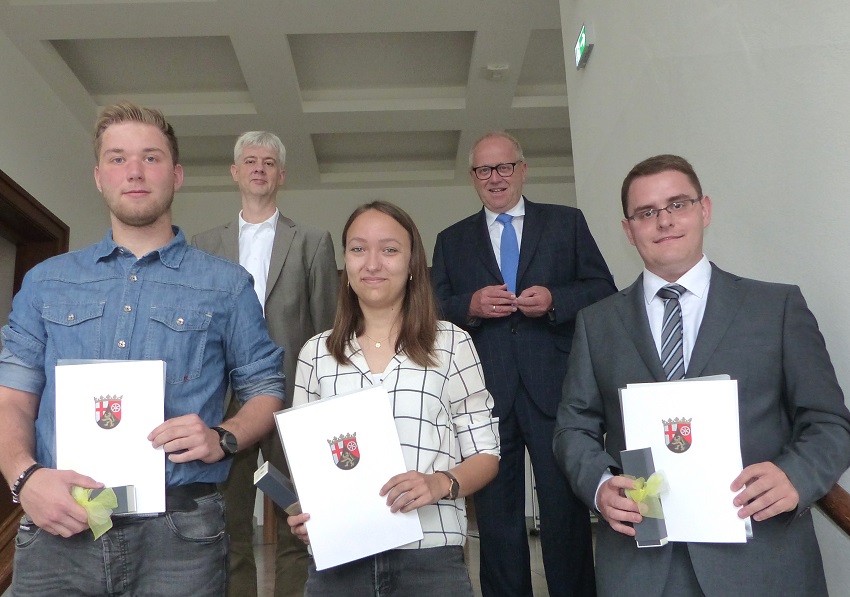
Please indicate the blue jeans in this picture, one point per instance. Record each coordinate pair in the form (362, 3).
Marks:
(177, 553)
(395, 573)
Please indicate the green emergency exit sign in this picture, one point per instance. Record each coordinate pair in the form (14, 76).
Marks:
(584, 45)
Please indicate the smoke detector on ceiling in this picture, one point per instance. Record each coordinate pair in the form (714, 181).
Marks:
(497, 72)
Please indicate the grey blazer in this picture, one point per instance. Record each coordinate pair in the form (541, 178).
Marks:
(792, 413)
(301, 290)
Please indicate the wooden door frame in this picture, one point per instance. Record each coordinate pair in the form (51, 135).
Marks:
(37, 234)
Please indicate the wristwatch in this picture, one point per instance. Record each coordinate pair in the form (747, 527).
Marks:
(454, 488)
(227, 441)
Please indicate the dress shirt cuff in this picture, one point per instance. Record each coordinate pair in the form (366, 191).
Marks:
(18, 376)
(270, 387)
(605, 476)
(260, 377)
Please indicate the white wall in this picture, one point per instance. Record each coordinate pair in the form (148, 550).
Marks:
(45, 150)
(756, 94)
(432, 209)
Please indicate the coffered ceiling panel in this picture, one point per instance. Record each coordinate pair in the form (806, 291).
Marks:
(367, 93)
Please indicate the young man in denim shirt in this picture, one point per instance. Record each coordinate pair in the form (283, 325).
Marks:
(141, 293)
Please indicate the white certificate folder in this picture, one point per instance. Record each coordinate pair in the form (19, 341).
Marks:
(692, 428)
(341, 451)
(104, 413)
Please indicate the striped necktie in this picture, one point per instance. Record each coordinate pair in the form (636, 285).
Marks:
(509, 251)
(672, 355)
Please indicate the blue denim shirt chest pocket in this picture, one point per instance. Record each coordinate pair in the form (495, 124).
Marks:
(178, 335)
(75, 328)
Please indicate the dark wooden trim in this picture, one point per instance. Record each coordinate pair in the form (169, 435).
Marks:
(37, 234)
(9, 515)
(31, 227)
(836, 506)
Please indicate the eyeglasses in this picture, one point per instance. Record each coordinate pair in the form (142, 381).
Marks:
(485, 172)
(679, 206)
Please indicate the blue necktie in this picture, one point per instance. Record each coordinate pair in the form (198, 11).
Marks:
(509, 251)
(672, 354)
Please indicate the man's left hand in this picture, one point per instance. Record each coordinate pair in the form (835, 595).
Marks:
(187, 438)
(534, 301)
(768, 492)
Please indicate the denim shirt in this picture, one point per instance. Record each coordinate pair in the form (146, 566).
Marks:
(196, 312)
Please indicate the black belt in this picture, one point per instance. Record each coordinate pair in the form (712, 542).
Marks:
(182, 497)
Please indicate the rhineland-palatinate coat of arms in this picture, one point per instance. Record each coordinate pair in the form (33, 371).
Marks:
(678, 434)
(107, 411)
(345, 452)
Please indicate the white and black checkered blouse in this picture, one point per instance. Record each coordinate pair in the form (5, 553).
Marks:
(442, 413)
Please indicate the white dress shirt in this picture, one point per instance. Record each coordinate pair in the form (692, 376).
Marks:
(255, 251)
(692, 302)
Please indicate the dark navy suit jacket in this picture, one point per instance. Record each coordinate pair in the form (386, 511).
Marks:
(557, 252)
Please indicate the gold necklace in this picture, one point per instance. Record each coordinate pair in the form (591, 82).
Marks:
(377, 343)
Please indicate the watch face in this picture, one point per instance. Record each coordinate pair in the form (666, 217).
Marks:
(227, 441)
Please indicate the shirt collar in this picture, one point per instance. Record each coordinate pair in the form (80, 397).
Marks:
(695, 280)
(272, 221)
(170, 255)
(516, 211)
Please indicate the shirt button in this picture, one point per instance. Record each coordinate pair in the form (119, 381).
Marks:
(127, 308)
(71, 317)
(122, 344)
(133, 278)
(179, 321)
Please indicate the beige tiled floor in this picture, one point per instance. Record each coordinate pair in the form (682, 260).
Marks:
(265, 554)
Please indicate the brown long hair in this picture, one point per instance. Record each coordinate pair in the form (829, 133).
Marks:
(418, 333)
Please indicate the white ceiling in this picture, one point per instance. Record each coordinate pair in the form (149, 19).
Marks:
(364, 93)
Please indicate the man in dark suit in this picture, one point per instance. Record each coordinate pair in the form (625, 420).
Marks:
(521, 322)
(296, 280)
(795, 428)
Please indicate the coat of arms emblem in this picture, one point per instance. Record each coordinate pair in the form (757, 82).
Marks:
(345, 452)
(107, 411)
(678, 434)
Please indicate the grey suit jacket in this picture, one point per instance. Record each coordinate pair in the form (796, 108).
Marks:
(301, 290)
(792, 413)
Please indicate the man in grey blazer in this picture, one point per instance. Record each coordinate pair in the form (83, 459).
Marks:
(795, 428)
(296, 280)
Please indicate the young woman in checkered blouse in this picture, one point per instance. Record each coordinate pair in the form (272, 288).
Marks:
(387, 333)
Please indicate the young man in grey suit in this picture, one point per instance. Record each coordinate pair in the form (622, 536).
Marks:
(295, 277)
(521, 320)
(795, 428)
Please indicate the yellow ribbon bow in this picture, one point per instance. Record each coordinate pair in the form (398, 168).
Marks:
(646, 494)
(99, 509)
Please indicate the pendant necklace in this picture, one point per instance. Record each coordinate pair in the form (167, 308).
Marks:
(377, 343)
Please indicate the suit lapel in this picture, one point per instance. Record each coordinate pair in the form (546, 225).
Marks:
(632, 311)
(484, 248)
(532, 229)
(230, 241)
(283, 237)
(723, 303)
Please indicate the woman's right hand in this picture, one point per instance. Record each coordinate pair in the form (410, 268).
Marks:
(298, 528)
